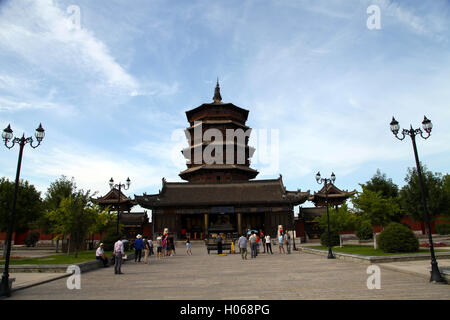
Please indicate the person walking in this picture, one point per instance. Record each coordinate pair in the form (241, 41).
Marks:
(119, 253)
(146, 250)
(219, 244)
(242, 244)
(159, 246)
(268, 244)
(138, 246)
(150, 244)
(280, 242)
(188, 247)
(253, 244)
(257, 245)
(163, 245)
(287, 241)
(169, 246)
(261, 237)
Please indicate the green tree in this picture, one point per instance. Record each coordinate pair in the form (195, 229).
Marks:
(446, 190)
(341, 220)
(372, 206)
(56, 192)
(79, 218)
(75, 216)
(29, 207)
(434, 187)
(380, 182)
(105, 221)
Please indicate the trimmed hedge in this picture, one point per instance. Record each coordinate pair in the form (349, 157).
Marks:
(334, 237)
(32, 238)
(364, 231)
(398, 238)
(442, 228)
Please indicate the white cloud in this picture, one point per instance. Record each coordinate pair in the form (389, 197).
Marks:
(44, 35)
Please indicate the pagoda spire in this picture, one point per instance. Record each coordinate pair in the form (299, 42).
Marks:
(217, 97)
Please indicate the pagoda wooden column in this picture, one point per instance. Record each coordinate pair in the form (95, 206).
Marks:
(206, 224)
(239, 223)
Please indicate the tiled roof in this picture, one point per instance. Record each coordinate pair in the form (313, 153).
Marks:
(224, 193)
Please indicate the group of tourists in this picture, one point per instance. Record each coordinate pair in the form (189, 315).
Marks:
(257, 240)
(165, 246)
(142, 243)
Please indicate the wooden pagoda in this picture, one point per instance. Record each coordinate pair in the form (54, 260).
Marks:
(220, 197)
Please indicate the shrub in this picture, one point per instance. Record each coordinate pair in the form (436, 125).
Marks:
(364, 231)
(32, 238)
(442, 228)
(398, 238)
(109, 240)
(334, 237)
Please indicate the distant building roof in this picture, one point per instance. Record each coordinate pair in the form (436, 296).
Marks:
(112, 197)
(133, 218)
(336, 196)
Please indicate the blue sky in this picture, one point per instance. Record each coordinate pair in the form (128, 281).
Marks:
(112, 91)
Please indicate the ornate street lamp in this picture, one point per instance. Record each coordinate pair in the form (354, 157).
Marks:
(119, 186)
(7, 136)
(326, 181)
(436, 276)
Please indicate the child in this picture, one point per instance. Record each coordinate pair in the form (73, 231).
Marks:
(188, 247)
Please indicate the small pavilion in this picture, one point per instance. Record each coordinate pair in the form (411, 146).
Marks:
(133, 222)
(336, 196)
(306, 216)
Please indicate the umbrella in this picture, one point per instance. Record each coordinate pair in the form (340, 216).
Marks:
(255, 231)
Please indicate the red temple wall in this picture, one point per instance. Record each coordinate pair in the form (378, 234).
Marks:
(415, 226)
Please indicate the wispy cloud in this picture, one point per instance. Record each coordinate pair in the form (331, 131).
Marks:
(31, 29)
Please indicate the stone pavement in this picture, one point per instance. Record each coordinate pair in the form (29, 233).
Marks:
(417, 268)
(28, 279)
(212, 277)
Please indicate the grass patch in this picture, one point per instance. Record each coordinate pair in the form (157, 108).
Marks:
(60, 258)
(368, 250)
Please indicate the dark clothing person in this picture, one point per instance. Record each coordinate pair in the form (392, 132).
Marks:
(104, 260)
(269, 247)
(138, 245)
(219, 244)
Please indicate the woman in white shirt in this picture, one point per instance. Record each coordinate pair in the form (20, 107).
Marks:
(268, 244)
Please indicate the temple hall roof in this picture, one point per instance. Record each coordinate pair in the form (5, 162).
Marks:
(222, 193)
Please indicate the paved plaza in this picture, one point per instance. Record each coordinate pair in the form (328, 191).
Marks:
(212, 277)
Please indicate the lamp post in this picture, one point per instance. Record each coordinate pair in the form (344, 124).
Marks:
(7, 136)
(326, 181)
(119, 186)
(436, 276)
